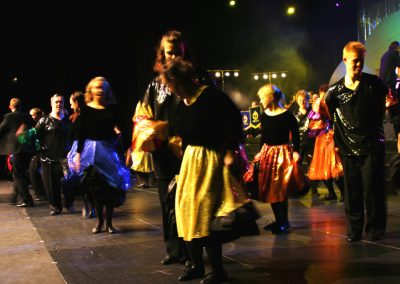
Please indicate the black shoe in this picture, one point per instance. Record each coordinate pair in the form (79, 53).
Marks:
(23, 204)
(97, 229)
(110, 229)
(329, 197)
(169, 260)
(374, 237)
(215, 277)
(55, 212)
(270, 226)
(281, 229)
(353, 238)
(41, 198)
(191, 273)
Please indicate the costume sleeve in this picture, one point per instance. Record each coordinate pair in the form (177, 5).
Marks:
(81, 130)
(330, 102)
(233, 122)
(294, 129)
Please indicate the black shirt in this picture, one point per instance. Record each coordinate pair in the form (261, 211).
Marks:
(275, 130)
(358, 115)
(96, 124)
(53, 135)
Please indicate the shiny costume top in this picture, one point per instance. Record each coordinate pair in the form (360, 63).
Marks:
(53, 136)
(358, 115)
(163, 105)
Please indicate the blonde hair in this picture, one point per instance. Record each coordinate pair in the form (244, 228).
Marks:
(108, 99)
(15, 103)
(273, 92)
(301, 93)
(354, 46)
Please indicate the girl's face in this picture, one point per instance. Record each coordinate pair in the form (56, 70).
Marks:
(302, 101)
(265, 99)
(74, 105)
(171, 50)
(97, 88)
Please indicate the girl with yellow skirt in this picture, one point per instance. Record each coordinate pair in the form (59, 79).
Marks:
(210, 126)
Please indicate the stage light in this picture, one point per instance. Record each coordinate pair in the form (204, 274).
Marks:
(217, 74)
(232, 3)
(283, 75)
(236, 74)
(273, 76)
(255, 77)
(265, 76)
(291, 10)
(227, 74)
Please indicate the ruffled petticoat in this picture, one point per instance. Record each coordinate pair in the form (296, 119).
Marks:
(102, 154)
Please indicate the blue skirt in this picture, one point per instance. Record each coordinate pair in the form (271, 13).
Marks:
(103, 155)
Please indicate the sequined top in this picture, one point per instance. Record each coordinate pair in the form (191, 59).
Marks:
(53, 135)
(163, 105)
(358, 115)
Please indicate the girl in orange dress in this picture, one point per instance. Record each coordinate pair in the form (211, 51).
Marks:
(278, 159)
(325, 164)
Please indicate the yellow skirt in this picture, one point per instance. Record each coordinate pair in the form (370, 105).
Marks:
(142, 161)
(205, 189)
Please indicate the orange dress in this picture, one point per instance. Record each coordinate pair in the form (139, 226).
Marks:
(326, 163)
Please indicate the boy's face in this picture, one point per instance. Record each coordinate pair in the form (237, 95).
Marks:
(354, 62)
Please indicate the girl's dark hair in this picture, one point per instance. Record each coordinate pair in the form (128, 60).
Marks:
(176, 38)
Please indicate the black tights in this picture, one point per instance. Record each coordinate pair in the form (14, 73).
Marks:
(213, 249)
(280, 210)
(99, 204)
(329, 185)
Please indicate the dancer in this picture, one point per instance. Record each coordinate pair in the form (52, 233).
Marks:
(278, 159)
(357, 103)
(162, 102)
(207, 146)
(106, 177)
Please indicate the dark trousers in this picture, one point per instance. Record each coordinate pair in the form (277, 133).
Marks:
(20, 177)
(364, 186)
(52, 174)
(35, 177)
(174, 245)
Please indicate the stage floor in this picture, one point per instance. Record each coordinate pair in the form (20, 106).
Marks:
(38, 248)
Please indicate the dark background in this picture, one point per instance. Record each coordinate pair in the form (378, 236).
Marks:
(59, 47)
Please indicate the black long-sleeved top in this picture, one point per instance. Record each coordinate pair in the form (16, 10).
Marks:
(9, 125)
(358, 115)
(275, 130)
(96, 124)
(212, 121)
(164, 106)
(53, 135)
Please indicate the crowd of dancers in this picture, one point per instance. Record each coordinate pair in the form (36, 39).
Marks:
(198, 165)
